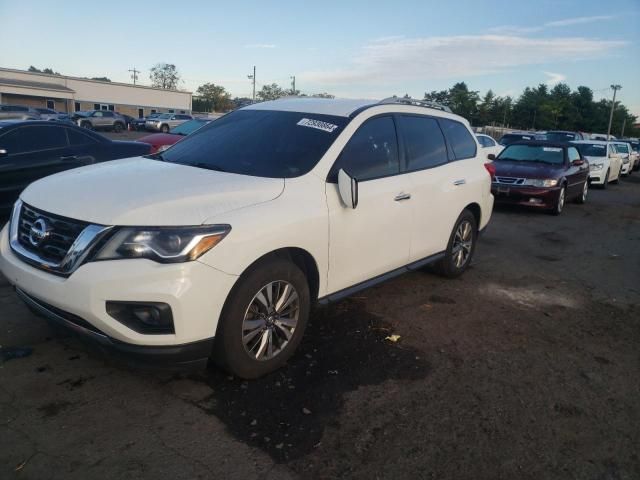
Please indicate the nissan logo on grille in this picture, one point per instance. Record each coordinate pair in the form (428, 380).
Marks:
(39, 232)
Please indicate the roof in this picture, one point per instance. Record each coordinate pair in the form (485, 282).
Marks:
(321, 106)
(29, 83)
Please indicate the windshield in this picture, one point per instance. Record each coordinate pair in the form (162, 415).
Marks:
(622, 148)
(561, 136)
(189, 127)
(260, 143)
(511, 138)
(592, 149)
(532, 153)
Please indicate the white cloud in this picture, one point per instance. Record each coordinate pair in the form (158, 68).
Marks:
(260, 45)
(579, 20)
(554, 78)
(394, 61)
(520, 30)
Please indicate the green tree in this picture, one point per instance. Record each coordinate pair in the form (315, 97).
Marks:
(271, 92)
(45, 70)
(441, 97)
(215, 95)
(463, 101)
(164, 75)
(101, 79)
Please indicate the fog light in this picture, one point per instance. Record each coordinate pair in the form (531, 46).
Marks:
(535, 200)
(143, 317)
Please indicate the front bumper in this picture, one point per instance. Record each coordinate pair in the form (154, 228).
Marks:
(195, 292)
(626, 167)
(596, 177)
(544, 198)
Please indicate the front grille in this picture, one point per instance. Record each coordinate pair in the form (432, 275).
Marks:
(509, 180)
(63, 233)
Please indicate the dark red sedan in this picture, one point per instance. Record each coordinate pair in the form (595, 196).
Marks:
(162, 141)
(540, 174)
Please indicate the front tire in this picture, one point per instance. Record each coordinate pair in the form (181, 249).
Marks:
(117, 127)
(164, 129)
(263, 320)
(86, 124)
(559, 206)
(605, 184)
(461, 246)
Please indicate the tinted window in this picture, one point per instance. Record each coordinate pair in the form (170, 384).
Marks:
(107, 114)
(424, 143)
(621, 148)
(372, 152)
(489, 142)
(508, 139)
(561, 136)
(532, 153)
(79, 138)
(261, 143)
(31, 139)
(459, 138)
(572, 153)
(592, 149)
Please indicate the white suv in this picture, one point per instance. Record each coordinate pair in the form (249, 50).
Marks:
(219, 246)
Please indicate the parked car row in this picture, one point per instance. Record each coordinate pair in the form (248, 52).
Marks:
(20, 112)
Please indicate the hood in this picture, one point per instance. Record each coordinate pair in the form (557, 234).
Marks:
(527, 169)
(140, 191)
(161, 139)
(591, 160)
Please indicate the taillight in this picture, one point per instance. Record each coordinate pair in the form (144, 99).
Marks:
(491, 168)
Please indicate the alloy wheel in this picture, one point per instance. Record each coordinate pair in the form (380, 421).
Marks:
(270, 320)
(585, 191)
(462, 244)
(561, 200)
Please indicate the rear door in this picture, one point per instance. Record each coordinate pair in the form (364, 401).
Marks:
(373, 238)
(33, 152)
(442, 169)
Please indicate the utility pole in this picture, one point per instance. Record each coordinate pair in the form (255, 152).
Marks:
(134, 74)
(533, 126)
(624, 124)
(253, 77)
(615, 89)
(293, 84)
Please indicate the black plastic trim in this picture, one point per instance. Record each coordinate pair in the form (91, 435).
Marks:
(195, 354)
(347, 292)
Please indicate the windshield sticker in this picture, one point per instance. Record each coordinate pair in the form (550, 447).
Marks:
(601, 147)
(324, 126)
(526, 138)
(552, 149)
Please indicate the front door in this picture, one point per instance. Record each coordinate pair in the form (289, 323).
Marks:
(373, 238)
(33, 152)
(576, 175)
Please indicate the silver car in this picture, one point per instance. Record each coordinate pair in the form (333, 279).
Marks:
(166, 121)
(18, 112)
(100, 120)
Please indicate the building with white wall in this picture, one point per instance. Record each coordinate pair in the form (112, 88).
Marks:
(72, 94)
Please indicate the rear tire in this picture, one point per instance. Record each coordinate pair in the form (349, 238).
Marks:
(86, 124)
(252, 315)
(117, 127)
(585, 192)
(461, 246)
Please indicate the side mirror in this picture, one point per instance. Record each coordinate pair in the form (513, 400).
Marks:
(491, 156)
(3, 152)
(348, 188)
(577, 163)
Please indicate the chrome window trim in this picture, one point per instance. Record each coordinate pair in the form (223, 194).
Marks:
(76, 255)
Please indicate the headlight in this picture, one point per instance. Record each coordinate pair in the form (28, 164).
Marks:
(597, 166)
(538, 182)
(163, 244)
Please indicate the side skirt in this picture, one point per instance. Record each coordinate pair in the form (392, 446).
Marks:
(347, 292)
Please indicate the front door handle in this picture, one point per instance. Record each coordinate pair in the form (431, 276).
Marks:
(462, 181)
(402, 196)
(69, 157)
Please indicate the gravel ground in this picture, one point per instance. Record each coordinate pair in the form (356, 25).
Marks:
(526, 367)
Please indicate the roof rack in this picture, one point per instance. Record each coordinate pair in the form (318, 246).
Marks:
(413, 101)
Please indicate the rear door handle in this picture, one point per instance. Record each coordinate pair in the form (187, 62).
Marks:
(462, 181)
(402, 196)
(69, 157)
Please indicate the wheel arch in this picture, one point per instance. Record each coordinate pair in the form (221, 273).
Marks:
(476, 210)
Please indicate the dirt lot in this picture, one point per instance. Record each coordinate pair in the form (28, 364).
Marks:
(527, 367)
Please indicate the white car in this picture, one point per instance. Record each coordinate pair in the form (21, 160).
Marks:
(489, 145)
(219, 246)
(624, 150)
(605, 164)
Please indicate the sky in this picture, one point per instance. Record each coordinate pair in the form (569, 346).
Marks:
(355, 49)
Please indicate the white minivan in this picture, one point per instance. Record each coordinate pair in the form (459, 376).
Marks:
(219, 246)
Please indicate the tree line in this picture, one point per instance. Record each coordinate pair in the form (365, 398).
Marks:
(538, 108)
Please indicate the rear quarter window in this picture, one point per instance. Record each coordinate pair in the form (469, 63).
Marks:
(460, 139)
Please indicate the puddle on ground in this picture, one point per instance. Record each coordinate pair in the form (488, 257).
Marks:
(286, 412)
